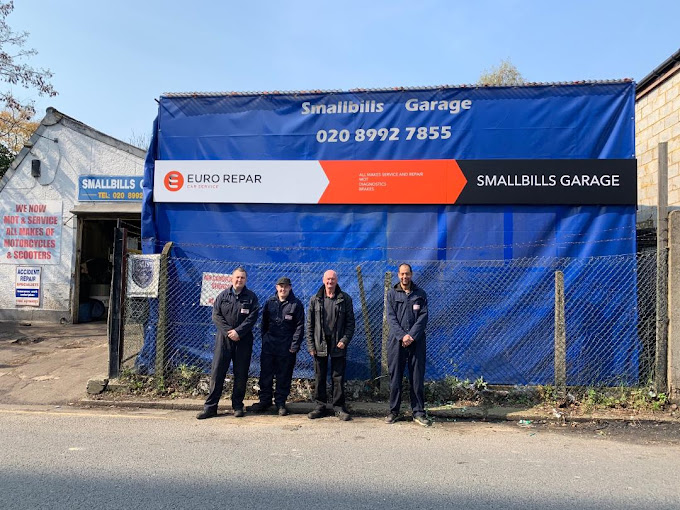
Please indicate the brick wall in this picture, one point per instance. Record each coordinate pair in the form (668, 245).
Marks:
(657, 119)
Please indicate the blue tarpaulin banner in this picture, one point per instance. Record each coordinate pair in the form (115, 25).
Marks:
(588, 121)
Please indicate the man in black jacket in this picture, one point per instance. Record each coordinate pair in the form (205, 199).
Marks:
(330, 327)
(235, 314)
(407, 319)
(283, 327)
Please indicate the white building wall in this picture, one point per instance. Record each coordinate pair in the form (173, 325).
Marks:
(62, 161)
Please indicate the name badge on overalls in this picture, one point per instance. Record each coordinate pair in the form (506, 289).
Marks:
(288, 317)
(245, 310)
(416, 307)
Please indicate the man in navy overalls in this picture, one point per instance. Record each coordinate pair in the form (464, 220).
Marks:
(235, 314)
(407, 319)
(283, 328)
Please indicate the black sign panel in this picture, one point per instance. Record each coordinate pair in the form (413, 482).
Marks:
(549, 182)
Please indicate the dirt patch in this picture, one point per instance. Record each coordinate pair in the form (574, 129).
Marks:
(635, 432)
(29, 340)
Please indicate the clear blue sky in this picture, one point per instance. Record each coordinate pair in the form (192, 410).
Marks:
(111, 59)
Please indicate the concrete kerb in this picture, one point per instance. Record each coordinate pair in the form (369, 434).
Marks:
(379, 410)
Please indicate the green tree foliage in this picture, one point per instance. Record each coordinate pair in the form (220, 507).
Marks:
(6, 158)
(504, 74)
(13, 66)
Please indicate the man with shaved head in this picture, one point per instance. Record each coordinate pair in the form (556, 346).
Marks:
(407, 319)
(330, 327)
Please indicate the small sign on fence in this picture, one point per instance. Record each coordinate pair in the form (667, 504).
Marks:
(142, 275)
(211, 285)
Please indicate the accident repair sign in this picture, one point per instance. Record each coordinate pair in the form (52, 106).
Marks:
(27, 286)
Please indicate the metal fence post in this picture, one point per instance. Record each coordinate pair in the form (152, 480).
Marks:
(384, 371)
(115, 324)
(161, 332)
(367, 325)
(661, 357)
(560, 337)
(674, 307)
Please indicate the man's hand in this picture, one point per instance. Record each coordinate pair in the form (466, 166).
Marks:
(407, 340)
(233, 335)
(312, 353)
(341, 345)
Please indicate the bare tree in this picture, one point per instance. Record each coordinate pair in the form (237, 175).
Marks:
(13, 68)
(504, 74)
(140, 140)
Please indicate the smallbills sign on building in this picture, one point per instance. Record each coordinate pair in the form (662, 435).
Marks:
(109, 188)
(30, 232)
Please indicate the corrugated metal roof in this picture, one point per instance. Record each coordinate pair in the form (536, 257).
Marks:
(390, 89)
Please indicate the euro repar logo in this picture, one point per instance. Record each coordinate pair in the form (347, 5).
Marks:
(173, 180)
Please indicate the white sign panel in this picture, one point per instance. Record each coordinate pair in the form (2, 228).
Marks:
(27, 286)
(246, 182)
(30, 232)
(211, 285)
(142, 275)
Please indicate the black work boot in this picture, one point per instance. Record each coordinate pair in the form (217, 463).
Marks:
(343, 414)
(206, 413)
(319, 412)
(259, 407)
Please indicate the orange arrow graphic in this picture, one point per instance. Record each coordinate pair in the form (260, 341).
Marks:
(431, 181)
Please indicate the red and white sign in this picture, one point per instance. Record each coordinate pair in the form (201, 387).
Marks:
(309, 182)
(30, 232)
(27, 286)
(211, 285)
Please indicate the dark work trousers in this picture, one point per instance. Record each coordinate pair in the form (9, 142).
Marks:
(337, 377)
(226, 352)
(279, 367)
(397, 359)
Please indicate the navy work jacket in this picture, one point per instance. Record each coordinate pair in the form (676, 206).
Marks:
(283, 325)
(407, 313)
(236, 312)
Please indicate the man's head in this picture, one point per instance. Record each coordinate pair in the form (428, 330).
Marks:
(330, 281)
(405, 275)
(283, 287)
(238, 279)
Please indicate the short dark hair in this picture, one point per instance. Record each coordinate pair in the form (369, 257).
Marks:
(410, 269)
(240, 270)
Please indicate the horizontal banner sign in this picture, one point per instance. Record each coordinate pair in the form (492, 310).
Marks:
(436, 181)
(109, 188)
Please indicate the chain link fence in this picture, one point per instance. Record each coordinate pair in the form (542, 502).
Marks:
(487, 319)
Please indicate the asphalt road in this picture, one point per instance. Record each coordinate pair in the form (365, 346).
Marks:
(75, 459)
